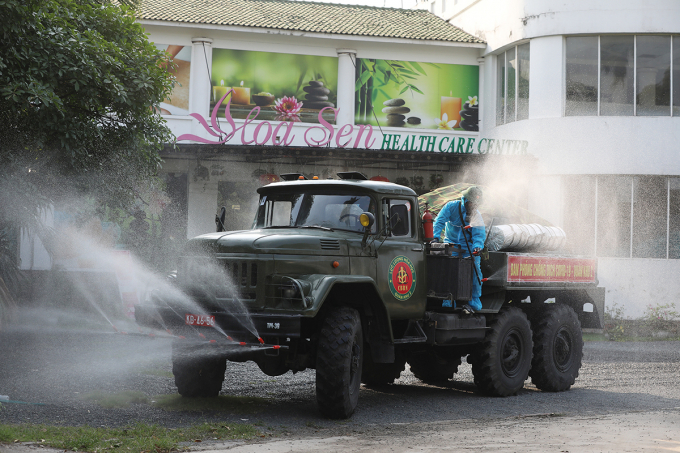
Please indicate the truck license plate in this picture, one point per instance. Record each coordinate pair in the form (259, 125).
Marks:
(199, 320)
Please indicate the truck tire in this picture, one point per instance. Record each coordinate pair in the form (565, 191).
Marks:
(381, 373)
(432, 368)
(501, 363)
(339, 360)
(197, 376)
(558, 349)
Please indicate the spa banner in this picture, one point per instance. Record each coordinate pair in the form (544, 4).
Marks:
(286, 87)
(178, 102)
(409, 94)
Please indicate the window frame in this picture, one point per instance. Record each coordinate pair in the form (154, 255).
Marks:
(672, 37)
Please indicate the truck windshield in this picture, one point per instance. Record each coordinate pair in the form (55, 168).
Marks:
(299, 210)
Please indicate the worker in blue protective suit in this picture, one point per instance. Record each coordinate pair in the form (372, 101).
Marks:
(464, 227)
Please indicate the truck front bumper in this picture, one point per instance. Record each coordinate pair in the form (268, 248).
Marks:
(270, 328)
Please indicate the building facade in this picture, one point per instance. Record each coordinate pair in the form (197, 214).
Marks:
(594, 86)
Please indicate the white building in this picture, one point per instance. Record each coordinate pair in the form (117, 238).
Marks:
(578, 106)
(594, 87)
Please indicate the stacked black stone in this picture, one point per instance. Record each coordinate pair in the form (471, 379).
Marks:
(316, 96)
(396, 112)
(470, 117)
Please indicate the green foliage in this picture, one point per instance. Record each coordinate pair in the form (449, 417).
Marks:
(386, 72)
(78, 85)
(660, 321)
(137, 437)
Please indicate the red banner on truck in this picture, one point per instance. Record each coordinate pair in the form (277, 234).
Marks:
(522, 268)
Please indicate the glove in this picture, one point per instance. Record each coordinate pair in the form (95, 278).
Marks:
(476, 251)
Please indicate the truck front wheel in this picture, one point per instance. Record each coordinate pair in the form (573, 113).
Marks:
(197, 375)
(558, 349)
(339, 360)
(501, 363)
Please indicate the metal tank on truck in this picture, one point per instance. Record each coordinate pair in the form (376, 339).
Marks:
(338, 276)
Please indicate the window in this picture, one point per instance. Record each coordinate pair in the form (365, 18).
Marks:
(313, 210)
(622, 75)
(399, 217)
(512, 100)
(635, 217)
(613, 216)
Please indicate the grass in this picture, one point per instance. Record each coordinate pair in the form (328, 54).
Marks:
(240, 404)
(175, 402)
(138, 437)
(117, 400)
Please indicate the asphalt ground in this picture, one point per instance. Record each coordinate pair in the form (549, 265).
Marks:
(51, 371)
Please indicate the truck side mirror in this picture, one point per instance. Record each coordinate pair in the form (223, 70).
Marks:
(219, 221)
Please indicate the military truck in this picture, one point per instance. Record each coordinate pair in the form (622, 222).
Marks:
(338, 276)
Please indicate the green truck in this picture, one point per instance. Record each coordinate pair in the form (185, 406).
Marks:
(338, 276)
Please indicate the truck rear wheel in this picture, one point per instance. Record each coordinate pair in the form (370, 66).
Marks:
(339, 360)
(431, 367)
(558, 349)
(197, 376)
(501, 363)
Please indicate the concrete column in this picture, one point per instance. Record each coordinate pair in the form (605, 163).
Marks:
(200, 84)
(202, 199)
(482, 99)
(346, 72)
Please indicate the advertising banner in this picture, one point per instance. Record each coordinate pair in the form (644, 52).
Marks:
(178, 102)
(409, 94)
(527, 269)
(285, 87)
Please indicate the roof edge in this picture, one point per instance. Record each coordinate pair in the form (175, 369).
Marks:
(303, 34)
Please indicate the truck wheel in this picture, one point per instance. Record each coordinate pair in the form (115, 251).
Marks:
(431, 367)
(381, 373)
(501, 363)
(558, 349)
(197, 375)
(339, 360)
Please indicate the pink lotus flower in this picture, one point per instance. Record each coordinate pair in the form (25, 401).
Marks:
(288, 105)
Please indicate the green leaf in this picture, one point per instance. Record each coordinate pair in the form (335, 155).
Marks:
(414, 88)
(418, 68)
(404, 89)
(362, 80)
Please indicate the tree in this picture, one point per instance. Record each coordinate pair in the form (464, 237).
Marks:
(79, 83)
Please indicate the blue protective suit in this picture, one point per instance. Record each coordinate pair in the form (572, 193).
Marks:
(449, 220)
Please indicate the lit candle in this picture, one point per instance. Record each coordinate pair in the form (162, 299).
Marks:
(451, 106)
(219, 91)
(241, 95)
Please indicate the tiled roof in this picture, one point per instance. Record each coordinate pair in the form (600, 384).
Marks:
(308, 17)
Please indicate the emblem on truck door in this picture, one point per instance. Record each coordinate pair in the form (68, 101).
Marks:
(401, 277)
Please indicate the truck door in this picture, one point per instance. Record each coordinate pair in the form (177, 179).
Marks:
(401, 269)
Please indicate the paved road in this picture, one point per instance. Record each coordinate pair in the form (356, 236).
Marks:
(57, 368)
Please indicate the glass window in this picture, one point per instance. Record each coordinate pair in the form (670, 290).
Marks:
(400, 217)
(511, 58)
(613, 216)
(523, 82)
(616, 75)
(676, 75)
(500, 98)
(512, 100)
(313, 210)
(579, 214)
(650, 208)
(581, 76)
(653, 70)
(674, 220)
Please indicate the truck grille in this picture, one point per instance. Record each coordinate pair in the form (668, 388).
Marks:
(221, 279)
(330, 244)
